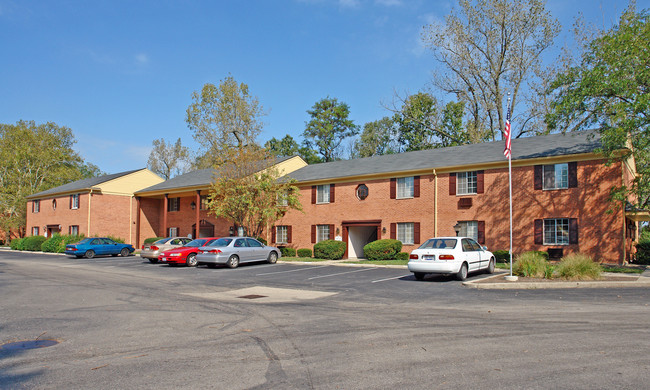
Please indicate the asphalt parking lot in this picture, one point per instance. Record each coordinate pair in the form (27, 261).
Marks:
(127, 323)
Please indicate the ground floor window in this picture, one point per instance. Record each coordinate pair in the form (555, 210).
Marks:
(405, 233)
(35, 231)
(469, 229)
(556, 231)
(281, 234)
(74, 230)
(322, 233)
(172, 232)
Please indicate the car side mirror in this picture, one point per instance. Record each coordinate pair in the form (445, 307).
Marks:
(484, 247)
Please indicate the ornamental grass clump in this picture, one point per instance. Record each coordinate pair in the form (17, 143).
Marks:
(578, 267)
(531, 264)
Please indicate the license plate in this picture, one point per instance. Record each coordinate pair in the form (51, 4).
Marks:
(163, 259)
(429, 257)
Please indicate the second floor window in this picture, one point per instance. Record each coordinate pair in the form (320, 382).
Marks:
(283, 198)
(36, 206)
(405, 187)
(74, 201)
(556, 176)
(323, 193)
(174, 204)
(204, 202)
(466, 183)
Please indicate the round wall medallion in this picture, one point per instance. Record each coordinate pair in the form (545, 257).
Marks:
(362, 191)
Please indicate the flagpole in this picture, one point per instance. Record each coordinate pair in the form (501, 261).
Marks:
(507, 134)
(510, 187)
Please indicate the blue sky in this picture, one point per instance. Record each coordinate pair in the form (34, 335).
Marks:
(121, 73)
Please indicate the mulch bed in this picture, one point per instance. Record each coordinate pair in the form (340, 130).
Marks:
(603, 278)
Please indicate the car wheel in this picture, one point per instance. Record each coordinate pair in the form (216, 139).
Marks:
(191, 260)
(273, 257)
(233, 262)
(462, 274)
(419, 275)
(153, 261)
(124, 252)
(490, 268)
(89, 254)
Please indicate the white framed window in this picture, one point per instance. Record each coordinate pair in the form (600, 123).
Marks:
(469, 229)
(204, 202)
(556, 231)
(283, 198)
(323, 193)
(35, 231)
(172, 232)
(405, 187)
(74, 201)
(74, 230)
(174, 204)
(405, 233)
(556, 176)
(53, 204)
(281, 234)
(466, 183)
(36, 207)
(322, 233)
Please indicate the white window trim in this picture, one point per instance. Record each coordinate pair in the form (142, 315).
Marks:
(37, 206)
(172, 231)
(284, 237)
(75, 201)
(464, 178)
(320, 194)
(555, 175)
(408, 186)
(319, 233)
(464, 227)
(555, 233)
(400, 229)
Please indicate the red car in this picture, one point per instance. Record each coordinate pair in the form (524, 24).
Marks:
(185, 254)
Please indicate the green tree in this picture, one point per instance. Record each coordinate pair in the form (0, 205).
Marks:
(610, 89)
(486, 48)
(34, 158)
(328, 127)
(248, 192)
(287, 147)
(223, 117)
(377, 138)
(169, 160)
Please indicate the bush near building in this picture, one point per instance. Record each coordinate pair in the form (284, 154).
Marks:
(642, 252)
(531, 264)
(329, 249)
(382, 249)
(33, 243)
(402, 256)
(304, 252)
(288, 252)
(57, 243)
(502, 256)
(17, 244)
(578, 267)
(152, 239)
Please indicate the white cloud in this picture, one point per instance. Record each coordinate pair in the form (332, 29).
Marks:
(142, 59)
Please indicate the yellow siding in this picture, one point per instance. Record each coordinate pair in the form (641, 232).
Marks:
(290, 165)
(127, 185)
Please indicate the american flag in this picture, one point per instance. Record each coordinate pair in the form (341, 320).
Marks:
(507, 135)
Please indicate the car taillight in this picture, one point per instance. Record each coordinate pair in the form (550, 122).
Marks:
(153, 248)
(72, 249)
(143, 247)
(214, 251)
(414, 257)
(446, 257)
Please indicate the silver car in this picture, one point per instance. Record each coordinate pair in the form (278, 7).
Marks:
(153, 250)
(232, 251)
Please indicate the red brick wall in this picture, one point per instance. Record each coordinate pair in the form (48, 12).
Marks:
(63, 215)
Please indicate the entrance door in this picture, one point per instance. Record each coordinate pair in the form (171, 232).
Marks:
(205, 230)
(358, 234)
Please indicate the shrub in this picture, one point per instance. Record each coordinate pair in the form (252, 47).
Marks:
(541, 253)
(33, 243)
(382, 249)
(578, 266)
(17, 244)
(304, 252)
(288, 252)
(152, 239)
(402, 256)
(71, 239)
(53, 244)
(642, 252)
(116, 239)
(530, 264)
(329, 249)
(501, 256)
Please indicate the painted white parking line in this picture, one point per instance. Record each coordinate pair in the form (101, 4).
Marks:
(383, 280)
(293, 270)
(340, 273)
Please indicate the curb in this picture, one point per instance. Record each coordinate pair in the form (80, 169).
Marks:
(642, 280)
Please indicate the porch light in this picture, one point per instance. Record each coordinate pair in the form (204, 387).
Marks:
(457, 227)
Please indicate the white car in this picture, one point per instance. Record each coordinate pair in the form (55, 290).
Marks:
(450, 255)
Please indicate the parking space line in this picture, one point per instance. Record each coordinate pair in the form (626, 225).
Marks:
(293, 270)
(340, 273)
(383, 280)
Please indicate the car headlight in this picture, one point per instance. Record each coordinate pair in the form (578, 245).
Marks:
(173, 254)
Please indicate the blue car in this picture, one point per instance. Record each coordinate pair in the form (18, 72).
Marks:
(92, 246)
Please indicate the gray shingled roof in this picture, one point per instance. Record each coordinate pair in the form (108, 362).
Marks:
(199, 178)
(83, 184)
(522, 148)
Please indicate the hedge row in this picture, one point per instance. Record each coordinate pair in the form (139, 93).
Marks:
(382, 249)
(54, 244)
(643, 252)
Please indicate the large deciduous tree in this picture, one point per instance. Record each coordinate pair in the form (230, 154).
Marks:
(610, 89)
(328, 127)
(287, 147)
(34, 158)
(377, 138)
(169, 160)
(222, 117)
(488, 48)
(248, 191)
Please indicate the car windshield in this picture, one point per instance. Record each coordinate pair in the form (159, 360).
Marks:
(164, 240)
(199, 242)
(220, 242)
(439, 243)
